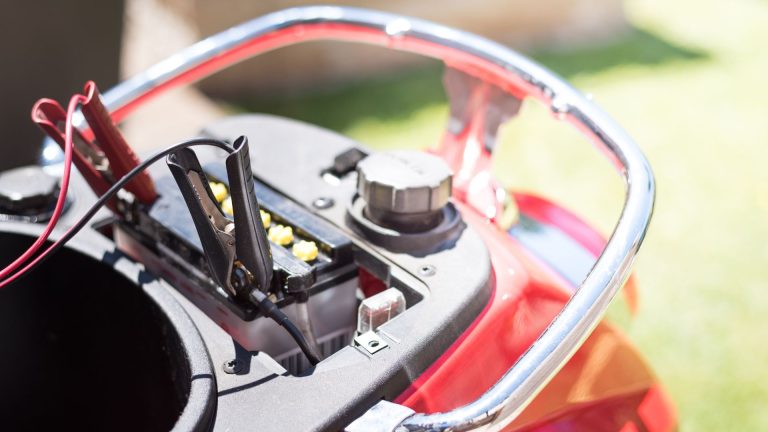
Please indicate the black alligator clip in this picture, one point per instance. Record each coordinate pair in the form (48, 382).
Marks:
(237, 252)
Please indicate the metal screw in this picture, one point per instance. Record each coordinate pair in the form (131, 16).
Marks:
(427, 270)
(233, 366)
(323, 203)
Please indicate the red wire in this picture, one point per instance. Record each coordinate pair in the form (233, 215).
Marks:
(9, 280)
(29, 253)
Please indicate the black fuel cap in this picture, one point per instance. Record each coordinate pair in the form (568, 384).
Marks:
(27, 191)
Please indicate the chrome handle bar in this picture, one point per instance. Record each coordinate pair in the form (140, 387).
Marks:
(505, 68)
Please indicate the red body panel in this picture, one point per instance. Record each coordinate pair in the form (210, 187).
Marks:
(605, 386)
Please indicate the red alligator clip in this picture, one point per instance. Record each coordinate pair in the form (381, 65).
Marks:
(102, 160)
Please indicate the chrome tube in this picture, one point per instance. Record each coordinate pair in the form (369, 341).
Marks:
(511, 394)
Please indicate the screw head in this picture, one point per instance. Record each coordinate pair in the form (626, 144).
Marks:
(323, 203)
(233, 366)
(427, 270)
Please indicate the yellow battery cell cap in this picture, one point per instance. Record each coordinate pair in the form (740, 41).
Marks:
(266, 218)
(280, 234)
(305, 250)
(219, 190)
(226, 206)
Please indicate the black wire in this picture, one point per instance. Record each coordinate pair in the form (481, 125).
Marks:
(269, 308)
(310, 353)
(80, 224)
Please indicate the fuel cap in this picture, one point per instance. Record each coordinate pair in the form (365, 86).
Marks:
(27, 191)
(404, 190)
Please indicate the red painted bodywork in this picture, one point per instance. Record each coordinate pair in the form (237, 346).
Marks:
(605, 386)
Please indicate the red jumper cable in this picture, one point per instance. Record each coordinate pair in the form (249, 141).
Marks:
(101, 161)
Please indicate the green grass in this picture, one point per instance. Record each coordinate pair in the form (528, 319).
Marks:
(689, 82)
